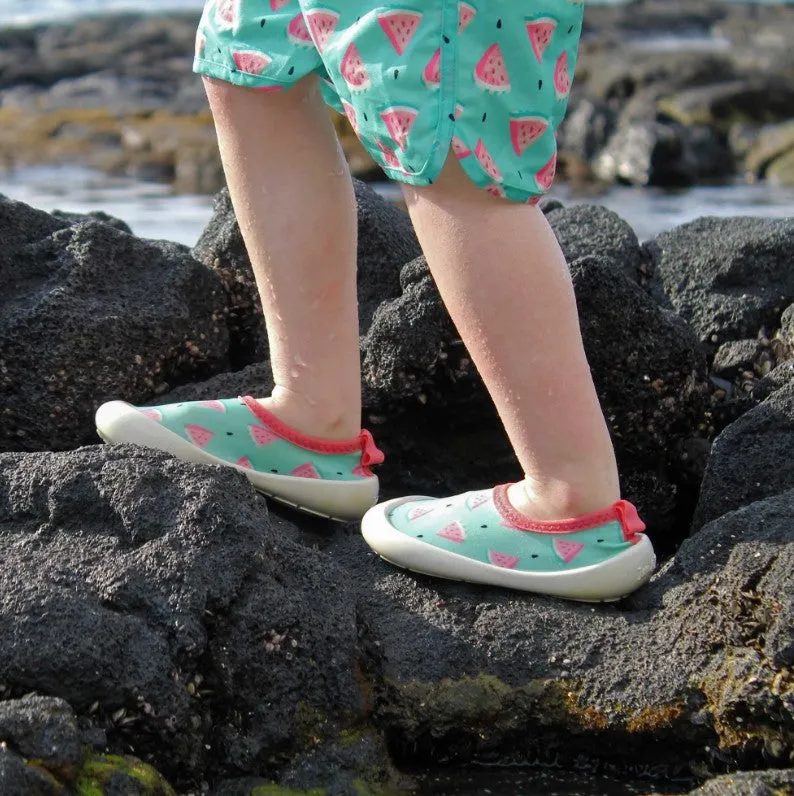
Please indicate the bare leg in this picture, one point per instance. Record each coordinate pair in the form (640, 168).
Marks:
(504, 280)
(293, 198)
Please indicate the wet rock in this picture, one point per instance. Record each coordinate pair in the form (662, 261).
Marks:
(659, 153)
(88, 313)
(17, 778)
(772, 142)
(121, 774)
(727, 277)
(749, 783)
(41, 728)
(734, 357)
(386, 241)
(746, 462)
(96, 215)
(781, 170)
(760, 100)
(787, 325)
(164, 603)
(587, 128)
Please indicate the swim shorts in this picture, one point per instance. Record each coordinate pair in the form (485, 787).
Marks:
(487, 79)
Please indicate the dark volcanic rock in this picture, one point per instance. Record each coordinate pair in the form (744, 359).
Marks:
(41, 728)
(586, 128)
(735, 356)
(584, 229)
(751, 459)
(138, 582)
(88, 313)
(727, 277)
(386, 241)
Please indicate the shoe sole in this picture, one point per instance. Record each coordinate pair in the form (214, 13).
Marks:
(118, 422)
(607, 582)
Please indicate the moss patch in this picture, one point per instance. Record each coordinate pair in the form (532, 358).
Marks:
(99, 770)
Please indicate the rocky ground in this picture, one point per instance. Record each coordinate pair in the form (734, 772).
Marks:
(117, 93)
(162, 629)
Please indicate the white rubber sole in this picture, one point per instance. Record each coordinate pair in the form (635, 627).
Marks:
(606, 582)
(118, 422)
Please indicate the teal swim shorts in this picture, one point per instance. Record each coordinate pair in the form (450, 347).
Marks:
(487, 79)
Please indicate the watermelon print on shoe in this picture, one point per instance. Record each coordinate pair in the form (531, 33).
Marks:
(480, 538)
(330, 478)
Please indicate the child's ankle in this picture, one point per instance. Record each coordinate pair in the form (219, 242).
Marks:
(560, 500)
(313, 419)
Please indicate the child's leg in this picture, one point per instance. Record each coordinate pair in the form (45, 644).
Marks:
(293, 198)
(504, 280)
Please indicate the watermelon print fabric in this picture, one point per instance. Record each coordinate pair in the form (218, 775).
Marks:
(485, 80)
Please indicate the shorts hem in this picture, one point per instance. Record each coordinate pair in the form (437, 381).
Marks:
(202, 66)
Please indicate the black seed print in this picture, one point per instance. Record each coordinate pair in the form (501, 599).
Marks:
(229, 433)
(291, 70)
(220, 50)
(599, 540)
(430, 182)
(499, 23)
(396, 73)
(483, 526)
(484, 116)
(420, 536)
(540, 85)
(452, 117)
(534, 555)
(446, 39)
(274, 471)
(262, 23)
(365, 117)
(570, 30)
(519, 175)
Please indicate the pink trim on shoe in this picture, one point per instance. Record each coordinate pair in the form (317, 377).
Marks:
(622, 511)
(370, 453)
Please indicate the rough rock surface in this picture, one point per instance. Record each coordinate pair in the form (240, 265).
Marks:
(215, 624)
(386, 242)
(727, 277)
(751, 459)
(735, 356)
(749, 783)
(88, 313)
(164, 589)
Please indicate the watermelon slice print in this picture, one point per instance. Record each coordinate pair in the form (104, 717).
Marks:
(322, 23)
(432, 72)
(459, 148)
(250, 62)
(351, 114)
(227, 14)
(566, 549)
(354, 70)
(466, 14)
(418, 511)
(458, 111)
(152, 414)
(499, 193)
(533, 200)
(545, 177)
(503, 560)
(454, 532)
(277, 5)
(244, 461)
(215, 405)
(306, 470)
(198, 435)
(487, 162)
(562, 77)
(388, 155)
(267, 88)
(541, 32)
(262, 435)
(363, 472)
(298, 32)
(478, 499)
(400, 25)
(490, 74)
(525, 131)
(399, 119)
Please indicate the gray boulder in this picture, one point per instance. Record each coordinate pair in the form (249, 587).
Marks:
(88, 313)
(729, 278)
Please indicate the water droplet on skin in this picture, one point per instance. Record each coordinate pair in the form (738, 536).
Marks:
(299, 362)
(294, 373)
